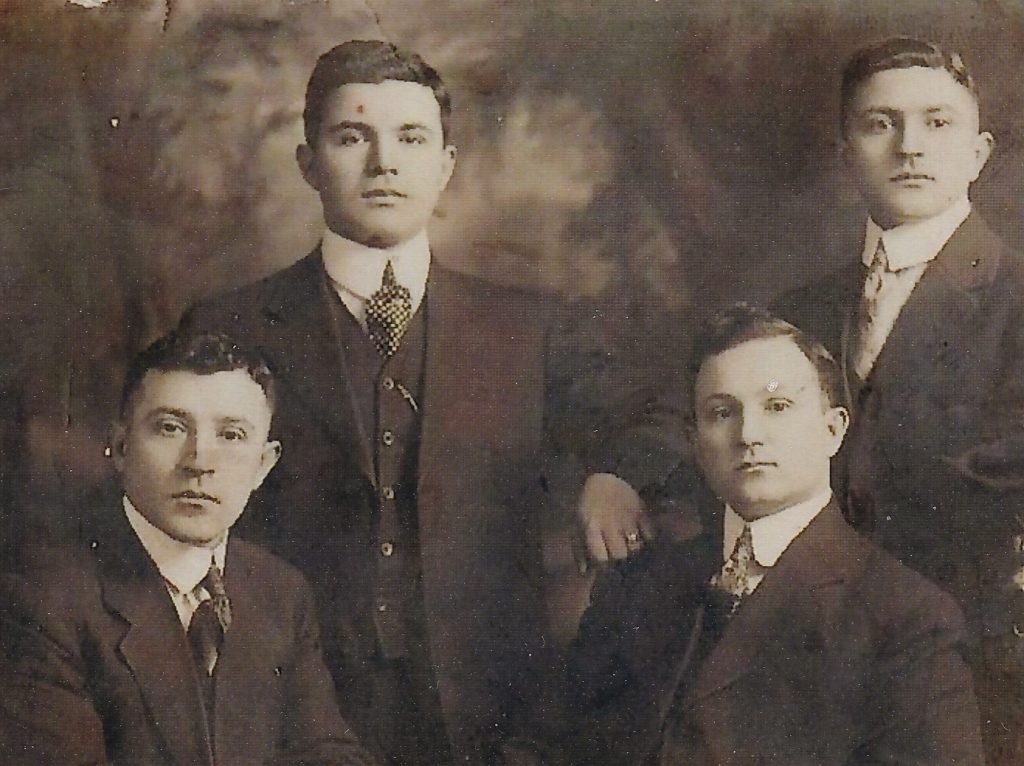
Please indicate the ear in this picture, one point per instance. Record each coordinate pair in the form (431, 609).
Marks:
(837, 420)
(450, 153)
(268, 459)
(306, 157)
(845, 152)
(690, 432)
(982, 151)
(118, 445)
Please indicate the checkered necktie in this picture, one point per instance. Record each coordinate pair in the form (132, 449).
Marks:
(388, 312)
(209, 622)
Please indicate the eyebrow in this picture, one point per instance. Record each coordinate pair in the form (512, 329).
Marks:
(887, 109)
(231, 420)
(717, 397)
(349, 124)
(183, 414)
(366, 127)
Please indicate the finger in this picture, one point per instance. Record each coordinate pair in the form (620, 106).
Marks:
(634, 543)
(616, 544)
(595, 544)
(648, 530)
(579, 554)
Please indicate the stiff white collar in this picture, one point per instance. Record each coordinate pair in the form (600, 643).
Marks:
(183, 565)
(772, 534)
(913, 244)
(356, 270)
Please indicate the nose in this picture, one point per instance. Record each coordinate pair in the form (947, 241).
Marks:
(382, 159)
(751, 429)
(910, 139)
(196, 455)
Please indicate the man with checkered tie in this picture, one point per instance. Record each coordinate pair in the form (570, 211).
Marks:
(433, 422)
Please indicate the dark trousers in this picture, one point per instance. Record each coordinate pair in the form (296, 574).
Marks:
(409, 728)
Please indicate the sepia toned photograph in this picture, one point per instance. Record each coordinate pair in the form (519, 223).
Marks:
(511, 383)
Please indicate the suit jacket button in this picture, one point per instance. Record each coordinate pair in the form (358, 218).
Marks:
(388, 438)
(388, 383)
(387, 549)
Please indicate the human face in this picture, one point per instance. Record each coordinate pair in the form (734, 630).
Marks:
(379, 161)
(765, 431)
(191, 450)
(912, 143)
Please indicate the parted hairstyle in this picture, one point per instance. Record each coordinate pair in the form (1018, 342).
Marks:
(368, 61)
(202, 354)
(740, 323)
(898, 53)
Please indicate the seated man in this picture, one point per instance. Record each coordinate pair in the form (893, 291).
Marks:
(158, 640)
(778, 635)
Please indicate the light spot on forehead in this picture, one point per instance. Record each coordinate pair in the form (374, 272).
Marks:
(772, 385)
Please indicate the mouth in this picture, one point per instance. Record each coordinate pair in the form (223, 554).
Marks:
(911, 178)
(748, 466)
(194, 496)
(383, 194)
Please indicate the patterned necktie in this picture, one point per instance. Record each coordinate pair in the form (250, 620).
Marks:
(209, 622)
(737, 576)
(868, 346)
(388, 312)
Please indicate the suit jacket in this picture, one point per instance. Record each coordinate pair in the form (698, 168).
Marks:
(511, 399)
(841, 656)
(97, 667)
(932, 461)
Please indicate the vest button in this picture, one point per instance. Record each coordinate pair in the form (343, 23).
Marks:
(382, 607)
(387, 549)
(388, 438)
(388, 383)
(388, 493)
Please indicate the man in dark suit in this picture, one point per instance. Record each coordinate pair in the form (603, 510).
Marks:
(433, 422)
(155, 639)
(778, 635)
(928, 325)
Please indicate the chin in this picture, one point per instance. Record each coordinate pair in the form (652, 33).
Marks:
(201, 537)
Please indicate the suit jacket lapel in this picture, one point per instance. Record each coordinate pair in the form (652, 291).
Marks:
(154, 646)
(314, 364)
(241, 675)
(949, 291)
(448, 359)
(812, 561)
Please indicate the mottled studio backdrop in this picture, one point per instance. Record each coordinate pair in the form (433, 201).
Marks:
(667, 154)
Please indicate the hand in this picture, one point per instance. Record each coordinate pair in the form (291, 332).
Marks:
(614, 519)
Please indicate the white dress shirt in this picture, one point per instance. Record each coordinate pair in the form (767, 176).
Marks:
(356, 271)
(771, 535)
(182, 565)
(909, 248)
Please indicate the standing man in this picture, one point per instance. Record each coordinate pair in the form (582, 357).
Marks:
(779, 635)
(431, 420)
(161, 638)
(928, 323)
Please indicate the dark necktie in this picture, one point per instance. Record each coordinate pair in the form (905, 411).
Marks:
(388, 312)
(209, 622)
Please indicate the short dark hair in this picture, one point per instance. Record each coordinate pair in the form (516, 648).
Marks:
(368, 61)
(741, 323)
(202, 354)
(898, 53)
